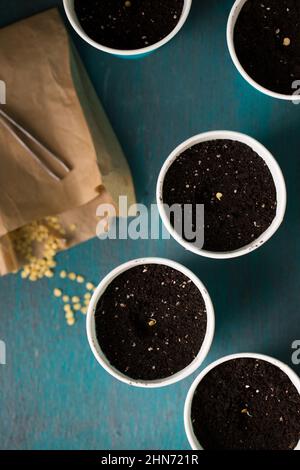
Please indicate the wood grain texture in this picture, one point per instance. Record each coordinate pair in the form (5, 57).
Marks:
(53, 394)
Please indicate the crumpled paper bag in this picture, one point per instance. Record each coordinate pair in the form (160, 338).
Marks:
(51, 96)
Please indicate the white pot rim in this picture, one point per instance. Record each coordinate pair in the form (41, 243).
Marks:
(72, 17)
(234, 13)
(276, 174)
(100, 356)
(194, 443)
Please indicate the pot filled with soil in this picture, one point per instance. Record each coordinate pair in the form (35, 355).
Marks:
(127, 28)
(237, 182)
(244, 402)
(150, 322)
(263, 41)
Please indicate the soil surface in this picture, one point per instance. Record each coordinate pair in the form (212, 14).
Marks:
(235, 186)
(151, 322)
(128, 25)
(267, 43)
(246, 404)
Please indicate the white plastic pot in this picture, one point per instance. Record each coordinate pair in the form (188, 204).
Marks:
(136, 53)
(233, 16)
(96, 348)
(275, 172)
(194, 443)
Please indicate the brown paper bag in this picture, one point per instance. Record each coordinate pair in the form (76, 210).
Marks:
(50, 95)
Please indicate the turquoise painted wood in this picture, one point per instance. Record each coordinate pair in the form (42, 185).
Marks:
(53, 394)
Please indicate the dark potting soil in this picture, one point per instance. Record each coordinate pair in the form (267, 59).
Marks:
(130, 24)
(151, 322)
(235, 186)
(267, 43)
(246, 404)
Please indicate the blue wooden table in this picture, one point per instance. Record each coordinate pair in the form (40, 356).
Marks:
(53, 393)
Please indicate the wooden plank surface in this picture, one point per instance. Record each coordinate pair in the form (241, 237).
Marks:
(53, 395)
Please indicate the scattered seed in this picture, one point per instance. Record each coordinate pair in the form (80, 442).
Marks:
(57, 292)
(71, 321)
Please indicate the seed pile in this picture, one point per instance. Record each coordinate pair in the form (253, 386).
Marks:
(234, 184)
(36, 245)
(130, 24)
(44, 238)
(246, 404)
(151, 322)
(267, 43)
